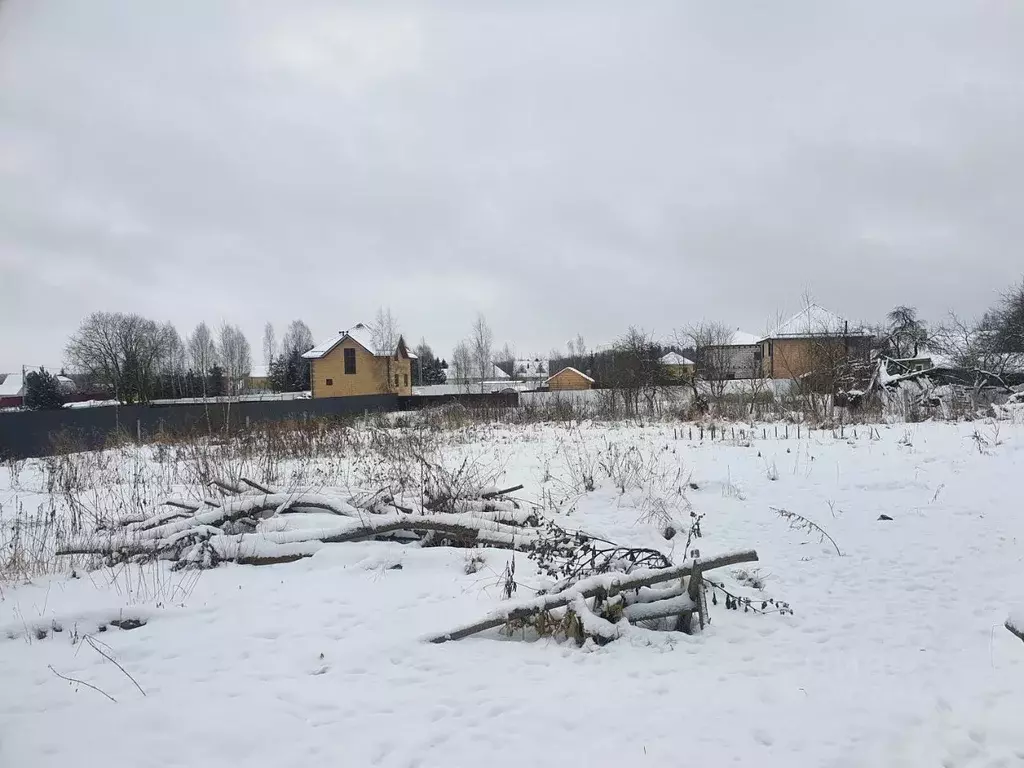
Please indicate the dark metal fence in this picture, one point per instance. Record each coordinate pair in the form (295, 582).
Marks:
(30, 434)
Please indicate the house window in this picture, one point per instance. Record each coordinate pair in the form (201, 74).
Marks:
(350, 362)
(330, 382)
(396, 379)
(405, 376)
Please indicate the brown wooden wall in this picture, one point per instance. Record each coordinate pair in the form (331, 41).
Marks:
(569, 380)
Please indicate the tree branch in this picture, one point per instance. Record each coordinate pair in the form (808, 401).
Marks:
(607, 584)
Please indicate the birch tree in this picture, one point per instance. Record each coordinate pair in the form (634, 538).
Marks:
(269, 344)
(480, 343)
(235, 355)
(384, 332)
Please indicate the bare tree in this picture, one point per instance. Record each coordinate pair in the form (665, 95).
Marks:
(122, 353)
(637, 372)
(904, 333)
(480, 343)
(384, 332)
(716, 358)
(298, 339)
(462, 364)
(1008, 320)
(971, 344)
(577, 347)
(269, 344)
(235, 355)
(202, 351)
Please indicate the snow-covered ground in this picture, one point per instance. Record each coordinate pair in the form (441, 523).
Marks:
(896, 654)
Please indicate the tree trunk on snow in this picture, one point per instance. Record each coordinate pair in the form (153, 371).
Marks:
(561, 599)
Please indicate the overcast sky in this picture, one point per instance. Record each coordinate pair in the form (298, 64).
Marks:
(562, 167)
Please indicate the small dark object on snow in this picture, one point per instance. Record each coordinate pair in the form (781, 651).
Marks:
(884, 517)
(127, 624)
(395, 567)
(694, 487)
(669, 532)
(103, 628)
(40, 634)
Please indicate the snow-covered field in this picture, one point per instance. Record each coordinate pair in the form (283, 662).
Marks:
(896, 654)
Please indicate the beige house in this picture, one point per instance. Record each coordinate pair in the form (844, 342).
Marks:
(813, 341)
(348, 364)
(569, 379)
(258, 379)
(678, 367)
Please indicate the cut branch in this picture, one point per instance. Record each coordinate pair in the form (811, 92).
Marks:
(606, 585)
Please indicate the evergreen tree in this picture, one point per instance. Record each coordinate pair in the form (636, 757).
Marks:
(42, 391)
(433, 373)
(216, 382)
(289, 372)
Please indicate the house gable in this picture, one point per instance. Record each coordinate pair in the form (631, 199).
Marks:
(570, 378)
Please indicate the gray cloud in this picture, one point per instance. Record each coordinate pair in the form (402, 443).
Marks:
(568, 167)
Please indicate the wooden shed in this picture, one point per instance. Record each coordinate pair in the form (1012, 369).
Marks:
(569, 379)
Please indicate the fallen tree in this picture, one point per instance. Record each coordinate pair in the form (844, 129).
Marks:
(251, 525)
(597, 605)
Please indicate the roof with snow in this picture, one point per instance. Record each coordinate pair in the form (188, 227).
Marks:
(535, 368)
(815, 320)
(360, 334)
(11, 385)
(743, 339)
(674, 358)
(572, 370)
(497, 373)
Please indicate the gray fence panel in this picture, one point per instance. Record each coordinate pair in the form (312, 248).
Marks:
(30, 434)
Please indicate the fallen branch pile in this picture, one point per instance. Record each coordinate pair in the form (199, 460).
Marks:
(257, 525)
(604, 606)
(599, 591)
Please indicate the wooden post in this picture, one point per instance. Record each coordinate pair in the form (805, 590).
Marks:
(797, 431)
(776, 431)
(764, 433)
(695, 592)
(712, 432)
(702, 433)
(138, 430)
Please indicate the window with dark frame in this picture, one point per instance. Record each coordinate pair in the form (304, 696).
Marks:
(405, 376)
(396, 379)
(330, 382)
(350, 362)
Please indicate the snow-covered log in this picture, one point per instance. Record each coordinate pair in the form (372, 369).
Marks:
(605, 585)
(253, 525)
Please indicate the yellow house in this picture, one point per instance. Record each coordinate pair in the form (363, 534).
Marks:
(347, 364)
(678, 367)
(569, 378)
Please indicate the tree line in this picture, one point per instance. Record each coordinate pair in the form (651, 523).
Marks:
(134, 359)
